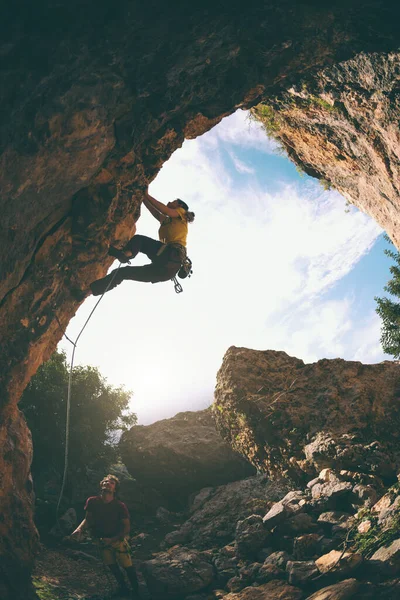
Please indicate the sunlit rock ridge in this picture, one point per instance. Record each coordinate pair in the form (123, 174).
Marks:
(94, 98)
(342, 127)
(294, 419)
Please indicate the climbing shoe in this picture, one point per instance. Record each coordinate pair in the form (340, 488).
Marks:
(119, 254)
(107, 283)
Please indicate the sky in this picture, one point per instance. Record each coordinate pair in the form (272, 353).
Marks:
(279, 263)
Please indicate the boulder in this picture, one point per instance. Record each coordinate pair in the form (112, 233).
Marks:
(273, 590)
(213, 524)
(250, 536)
(307, 546)
(388, 556)
(292, 504)
(339, 591)
(181, 455)
(301, 572)
(65, 524)
(268, 572)
(338, 562)
(286, 411)
(235, 584)
(278, 559)
(176, 573)
(335, 519)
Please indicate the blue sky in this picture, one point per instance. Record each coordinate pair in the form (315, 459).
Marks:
(279, 263)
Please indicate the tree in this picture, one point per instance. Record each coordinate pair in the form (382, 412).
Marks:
(389, 310)
(98, 412)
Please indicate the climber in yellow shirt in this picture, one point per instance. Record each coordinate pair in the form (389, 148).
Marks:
(166, 255)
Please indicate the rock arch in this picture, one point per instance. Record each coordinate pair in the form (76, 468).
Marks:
(94, 98)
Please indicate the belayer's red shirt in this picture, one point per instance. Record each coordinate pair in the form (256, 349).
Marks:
(105, 518)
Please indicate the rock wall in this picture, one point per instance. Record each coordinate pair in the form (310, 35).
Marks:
(342, 127)
(179, 456)
(291, 418)
(94, 98)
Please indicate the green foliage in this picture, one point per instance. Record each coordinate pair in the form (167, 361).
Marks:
(368, 543)
(268, 117)
(325, 184)
(317, 101)
(47, 591)
(389, 310)
(98, 411)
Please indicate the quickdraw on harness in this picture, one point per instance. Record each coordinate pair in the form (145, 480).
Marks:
(185, 271)
(185, 268)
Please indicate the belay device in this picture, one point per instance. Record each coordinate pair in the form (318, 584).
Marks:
(185, 271)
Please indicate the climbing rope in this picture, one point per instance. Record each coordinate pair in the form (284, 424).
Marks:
(67, 424)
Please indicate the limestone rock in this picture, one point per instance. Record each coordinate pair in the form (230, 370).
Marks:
(337, 519)
(181, 455)
(338, 562)
(268, 572)
(177, 573)
(250, 536)
(213, 524)
(364, 526)
(301, 523)
(235, 584)
(343, 590)
(273, 590)
(292, 504)
(300, 572)
(65, 524)
(278, 559)
(91, 115)
(283, 402)
(366, 494)
(389, 555)
(307, 546)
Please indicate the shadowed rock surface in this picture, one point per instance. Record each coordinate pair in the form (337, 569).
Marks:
(216, 511)
(296, 418)
(94, 98)
(180, 456)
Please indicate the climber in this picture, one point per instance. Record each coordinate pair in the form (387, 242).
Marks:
(109, 523)
(166, 255)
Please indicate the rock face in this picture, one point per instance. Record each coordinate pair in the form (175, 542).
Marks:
(289, 417)
(342, 127)
(91, 107)
(180, 456)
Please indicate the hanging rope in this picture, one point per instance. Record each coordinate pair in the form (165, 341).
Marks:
(67, 424)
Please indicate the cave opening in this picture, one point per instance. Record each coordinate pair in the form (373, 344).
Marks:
(280, 263)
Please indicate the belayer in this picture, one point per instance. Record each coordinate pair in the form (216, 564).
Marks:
(166, 255)
(108, 521)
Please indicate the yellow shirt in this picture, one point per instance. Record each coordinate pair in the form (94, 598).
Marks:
(174, 229)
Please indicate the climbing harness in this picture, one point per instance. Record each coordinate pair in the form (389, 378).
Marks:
(186, 269)
(67, 425)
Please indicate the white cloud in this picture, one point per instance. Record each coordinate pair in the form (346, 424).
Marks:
(240, 166)
(262, 264)
(239, 130)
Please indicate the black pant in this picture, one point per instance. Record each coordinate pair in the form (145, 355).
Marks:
(162, 267)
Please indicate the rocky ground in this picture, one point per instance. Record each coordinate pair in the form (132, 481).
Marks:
(338, 537)
(322, 522)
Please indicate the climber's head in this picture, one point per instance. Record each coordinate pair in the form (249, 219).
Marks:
(178, 203)
(109, 485)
